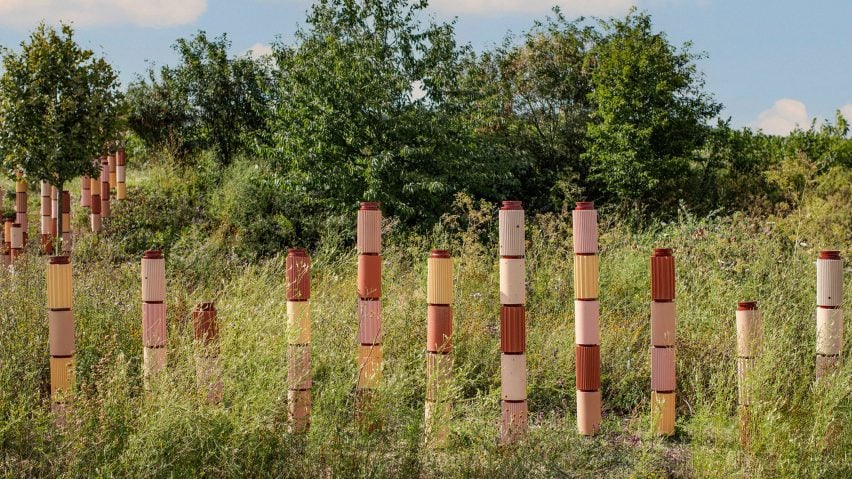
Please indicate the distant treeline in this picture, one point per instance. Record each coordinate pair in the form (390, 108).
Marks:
(372, 101)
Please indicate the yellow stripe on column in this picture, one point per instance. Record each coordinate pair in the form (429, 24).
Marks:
(59, 286)
(369, 363)
(298, 322)
(663, 412)
(585, 276)
(61, 376)
(439, 285)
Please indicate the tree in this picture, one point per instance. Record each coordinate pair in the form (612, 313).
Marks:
(58, 108)
(533, 109)
(209, 100)
(369, 108)
(650, 113)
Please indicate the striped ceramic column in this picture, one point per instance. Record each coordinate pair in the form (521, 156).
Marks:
(95, 220)
(60, 330)
(85, 192)
(105, 190)
(208, 373)
(749, 339)
(21, 207)
(586, 318)
(6, 256)
(54, 210)
(369, 359)
(120, 174)
(153, 313)
(17, 242)
(439, 333)
(299, 339)
(663, 341)
(65, 211)
(513, 328)
(829, 314)
(46, 229)
(111, 173)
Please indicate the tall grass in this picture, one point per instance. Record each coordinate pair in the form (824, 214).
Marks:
(115, 428)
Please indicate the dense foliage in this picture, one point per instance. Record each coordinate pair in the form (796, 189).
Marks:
(58, 107)
(372, 102)
(208, 101)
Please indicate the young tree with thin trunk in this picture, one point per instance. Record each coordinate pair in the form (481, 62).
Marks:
(58, 108)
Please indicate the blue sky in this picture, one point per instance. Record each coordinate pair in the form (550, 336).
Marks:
(773, 64)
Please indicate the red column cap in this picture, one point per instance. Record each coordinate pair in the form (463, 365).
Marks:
(585, 205)
(512, 205)
(59, 260)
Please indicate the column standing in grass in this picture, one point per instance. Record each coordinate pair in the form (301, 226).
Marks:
(85, 192)
(111, 171)
(369, 358)
(17, 242)
(65, 211)
(6, 256)
(749, 340)
(95, 220)
(21, 207)
(105, 191)
(153, 313)
(121, 174)
(829, 313)
(208, 373)
(60, 331)
(663, 343)
(46, 225)
(54, 212)
(439, 333)
(586, 318)
(299, 379)
(513, 328)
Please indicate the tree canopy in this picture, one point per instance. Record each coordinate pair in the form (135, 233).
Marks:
(59, 107)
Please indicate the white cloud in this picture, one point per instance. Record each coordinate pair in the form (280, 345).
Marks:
(846, 111)
(784, 116)
(569, 7)
(258, 51)
(147, 13)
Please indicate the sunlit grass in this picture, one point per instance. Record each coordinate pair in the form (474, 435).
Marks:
(116, 428)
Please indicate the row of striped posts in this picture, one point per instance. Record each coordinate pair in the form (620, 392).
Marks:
(61, 331)
(55, 203)
(514, 411)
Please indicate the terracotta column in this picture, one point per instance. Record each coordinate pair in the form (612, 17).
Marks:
(586, 318)
(369, 358)
(663, 341)
(299, 380)
(54, 210)
(208, 373)
(65, 211)
(6, 257)
(17, 242)
(749, 340)
(829, 313)
(439, 346)
(85, 192)
(105, 189)
(21, 207)
(120, 175)
(111, 172)
(60, 330)
(95, 220)
(513, 328)
(153, 313)
(46, 228)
